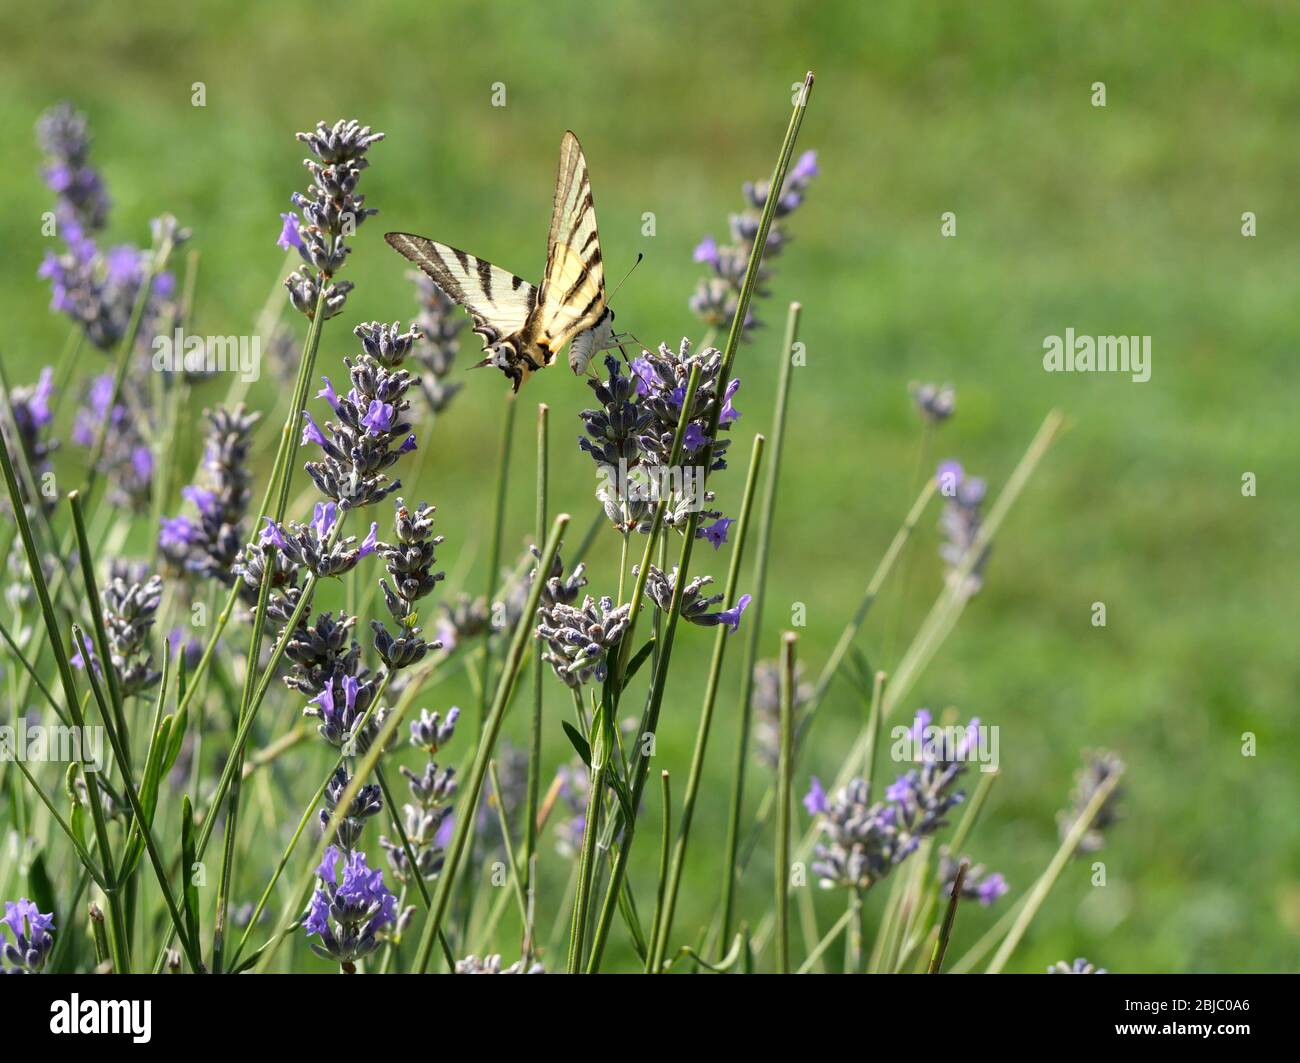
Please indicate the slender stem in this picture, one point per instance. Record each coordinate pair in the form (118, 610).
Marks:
(535, 733)
(789, 647)
(696, 776)
(133, 799)
(367, 765)
(601, 751)
(123, 363)
(826, 942)
(948, 607)
(232, 808)
(664, 654)
(665, 849)
(492, 726)
(494, 554)
(873, 732)
(758, 585)
(1038, 893)
(121, 954)
(945, 931)
(277, 486)
(853, 953)
(846, 640)
(504, 823)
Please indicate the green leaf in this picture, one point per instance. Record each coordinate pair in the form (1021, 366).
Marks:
(153, 771)
(175, 738)
(579, 743)
(39, 887)
(190, 892)
(77, 816)
(638, 659)
(620, 791)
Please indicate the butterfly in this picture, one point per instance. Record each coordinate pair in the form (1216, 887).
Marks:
(524, 327)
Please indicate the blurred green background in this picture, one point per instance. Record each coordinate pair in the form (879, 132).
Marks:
(1124, 219)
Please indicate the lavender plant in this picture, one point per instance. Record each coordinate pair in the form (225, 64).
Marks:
(329, 631)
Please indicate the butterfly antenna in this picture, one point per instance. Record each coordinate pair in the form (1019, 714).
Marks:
(639, 257)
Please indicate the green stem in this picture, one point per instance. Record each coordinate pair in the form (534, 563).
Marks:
(121, 955)
(133, 799)
(494, 554)
(535, 732)
(232, 808)
(696, 776)
(945, 931)
(758, 585)
(281, 469)
(492, 726)
(504, 823)
(789, 645)
(1038, 893)
(664, 653)
(602, 749)
(665, 851)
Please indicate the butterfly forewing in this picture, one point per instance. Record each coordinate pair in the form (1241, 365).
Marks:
(572, 296)
(499, 302)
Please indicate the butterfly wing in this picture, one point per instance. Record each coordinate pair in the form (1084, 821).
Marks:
(498, 301)
(572, 296)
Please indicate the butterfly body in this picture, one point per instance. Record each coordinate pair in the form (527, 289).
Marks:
(524, 327)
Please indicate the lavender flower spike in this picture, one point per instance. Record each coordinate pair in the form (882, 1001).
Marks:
(32, 938)
(349, 916)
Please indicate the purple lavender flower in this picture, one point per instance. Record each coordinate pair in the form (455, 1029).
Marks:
(716, 532)
(378, 418)
(409, 563)
(430, 732)
(731, 617)
(427, 817)
(368, 802)
(706, 251)
(976, 886)
(717, 295)
(815, 799)
(311, 432)
(435, 352)
(961, 522)
(369, 432)
(766, 702)
(329, 394)
(32, 934)
(130, 481)
(934, 404)
(212, 545)
(864, 841)
(31, 416)
(341, 705)
(289, 236)
(348, 916)
(695, 604)
(331, 210)
(313, 545)
(1079, 966)
(65, 139)
(1099, 766)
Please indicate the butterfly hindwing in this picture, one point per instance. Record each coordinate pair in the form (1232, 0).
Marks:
(572, 296)
(499, 302)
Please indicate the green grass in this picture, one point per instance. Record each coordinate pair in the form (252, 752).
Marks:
(1117, 220)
